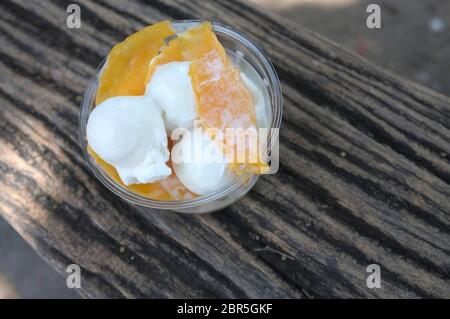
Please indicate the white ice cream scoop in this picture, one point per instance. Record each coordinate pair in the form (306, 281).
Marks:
(171, 89)
(199, 163)
(128, 132)
(258, 99)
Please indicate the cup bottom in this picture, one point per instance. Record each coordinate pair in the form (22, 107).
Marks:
(221, 202)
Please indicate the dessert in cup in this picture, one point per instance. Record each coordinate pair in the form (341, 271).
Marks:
(179, 116)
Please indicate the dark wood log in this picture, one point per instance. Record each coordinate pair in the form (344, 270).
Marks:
(364, 176)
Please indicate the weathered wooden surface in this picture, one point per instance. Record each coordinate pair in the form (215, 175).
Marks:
(364, 176)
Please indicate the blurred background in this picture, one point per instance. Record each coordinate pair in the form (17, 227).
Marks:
(414, 39)
(414, 42)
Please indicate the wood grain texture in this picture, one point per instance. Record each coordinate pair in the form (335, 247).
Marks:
(364, 174)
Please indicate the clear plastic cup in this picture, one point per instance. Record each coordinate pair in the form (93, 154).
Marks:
(246, 54)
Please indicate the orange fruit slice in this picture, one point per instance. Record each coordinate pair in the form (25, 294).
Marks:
(169, 189)
(127, 62)
(223, 100)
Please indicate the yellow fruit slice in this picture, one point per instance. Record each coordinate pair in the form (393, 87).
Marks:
(127, 63)
(223, 100)
(169, 189)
